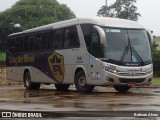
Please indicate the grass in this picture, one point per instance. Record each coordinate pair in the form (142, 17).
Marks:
(156, 82)
(2, 56)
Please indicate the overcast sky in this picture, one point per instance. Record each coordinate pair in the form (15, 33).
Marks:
(149, 9)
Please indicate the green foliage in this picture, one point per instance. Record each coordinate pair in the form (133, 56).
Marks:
(156, 58)
(2, 57)
(124, 9)
(32, 13)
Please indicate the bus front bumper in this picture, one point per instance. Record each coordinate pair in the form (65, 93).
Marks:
(113, 79)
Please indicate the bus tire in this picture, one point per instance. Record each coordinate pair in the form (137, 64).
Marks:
(81, 83)
(29, 84)
(62, 87)
(121, 89)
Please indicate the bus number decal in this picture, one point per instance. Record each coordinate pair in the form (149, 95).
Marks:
(56, 64)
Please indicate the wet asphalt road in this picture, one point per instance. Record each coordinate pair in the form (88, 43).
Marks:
(16, 98)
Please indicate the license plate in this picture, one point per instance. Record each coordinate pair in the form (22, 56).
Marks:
(131, 84)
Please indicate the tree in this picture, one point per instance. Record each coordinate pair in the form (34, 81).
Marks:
(124, 9)
(156, 58)
(26, 14)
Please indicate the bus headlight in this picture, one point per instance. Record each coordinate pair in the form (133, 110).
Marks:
(114, 71)
(111, 70)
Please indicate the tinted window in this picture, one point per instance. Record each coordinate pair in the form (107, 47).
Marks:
(51, 39)
(56, 39)
(92, 40)
(42, 41)
(31, 42)
(22, 43)
(11, 45)
(71, 38)
(17, 45)
(25, 44)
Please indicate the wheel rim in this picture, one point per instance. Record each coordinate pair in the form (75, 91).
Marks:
(82, 82)
(28, 82)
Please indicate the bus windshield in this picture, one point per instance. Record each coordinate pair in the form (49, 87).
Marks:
(128, 47)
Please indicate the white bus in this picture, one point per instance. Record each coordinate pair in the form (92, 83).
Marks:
(84, 52)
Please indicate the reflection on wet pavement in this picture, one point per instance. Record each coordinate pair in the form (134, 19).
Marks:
(102, 99)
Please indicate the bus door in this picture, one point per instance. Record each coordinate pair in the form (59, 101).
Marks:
(93, 35)
(71, 51)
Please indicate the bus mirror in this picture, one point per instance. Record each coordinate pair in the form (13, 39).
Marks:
(101, 34)
(150, 36)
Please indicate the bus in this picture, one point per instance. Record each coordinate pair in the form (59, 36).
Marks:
(84, 52)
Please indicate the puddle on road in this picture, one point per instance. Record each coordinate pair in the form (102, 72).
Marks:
(102, 99)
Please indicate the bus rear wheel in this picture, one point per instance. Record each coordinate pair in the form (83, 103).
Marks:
(62, 87)
(121, 89)
(29, 84)
(81, 83)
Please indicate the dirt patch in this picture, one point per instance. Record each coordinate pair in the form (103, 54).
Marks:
(2, 72)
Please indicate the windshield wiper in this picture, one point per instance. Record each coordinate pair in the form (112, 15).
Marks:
(132, 50)
(137, 55)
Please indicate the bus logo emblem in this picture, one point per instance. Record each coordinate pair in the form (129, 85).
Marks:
(56, 64)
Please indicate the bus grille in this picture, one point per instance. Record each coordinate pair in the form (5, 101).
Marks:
(131, 74)
(122, 80)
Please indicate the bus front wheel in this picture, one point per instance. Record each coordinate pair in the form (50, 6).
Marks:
(29, 84)
(81, 83)
(62, 87)
(122, 89)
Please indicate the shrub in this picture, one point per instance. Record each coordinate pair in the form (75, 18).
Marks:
(2, 57)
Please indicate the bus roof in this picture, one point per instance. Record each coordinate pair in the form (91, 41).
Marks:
(101, 21)
(111, 22)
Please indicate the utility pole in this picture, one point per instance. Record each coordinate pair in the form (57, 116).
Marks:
(55, 11)
(106, 8)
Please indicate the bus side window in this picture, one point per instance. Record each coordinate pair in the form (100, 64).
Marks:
(42, 41)
(74, 38)
(17, 45)
(58, 39)
(25, 44)
(67, 38)
(21, 44)
(95, 44)
(39, 42)
(92, 39)
(31, 43)
(71, 39)
(11, 45)
(51, 39)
